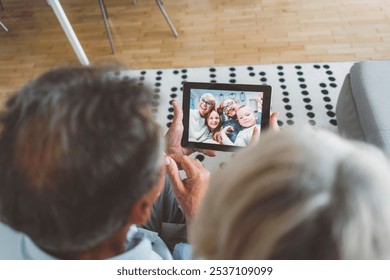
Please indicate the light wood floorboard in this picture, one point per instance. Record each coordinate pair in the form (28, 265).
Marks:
(211, 32)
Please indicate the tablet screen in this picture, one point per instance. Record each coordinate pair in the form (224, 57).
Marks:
(224, 116)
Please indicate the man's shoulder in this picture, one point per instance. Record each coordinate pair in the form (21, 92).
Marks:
(10, 243)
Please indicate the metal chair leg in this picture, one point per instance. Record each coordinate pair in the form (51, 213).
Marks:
(3, 25)
(162, 9)
(105, 19)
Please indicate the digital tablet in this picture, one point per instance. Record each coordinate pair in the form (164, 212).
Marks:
(224, 116)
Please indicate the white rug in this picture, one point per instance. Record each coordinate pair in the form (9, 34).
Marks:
(304, 93)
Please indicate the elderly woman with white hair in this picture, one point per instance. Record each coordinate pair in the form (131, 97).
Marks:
(300, 194)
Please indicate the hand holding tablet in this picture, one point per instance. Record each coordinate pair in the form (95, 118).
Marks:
(224, 116)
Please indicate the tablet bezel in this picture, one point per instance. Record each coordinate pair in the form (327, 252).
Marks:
(187, 86)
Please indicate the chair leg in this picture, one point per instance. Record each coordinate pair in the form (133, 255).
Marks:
(162, 9)
(4, 27)
(105, 19)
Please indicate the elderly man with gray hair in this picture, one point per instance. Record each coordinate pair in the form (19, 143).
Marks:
(198, 130)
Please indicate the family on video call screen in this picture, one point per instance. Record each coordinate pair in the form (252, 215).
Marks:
(224, 117)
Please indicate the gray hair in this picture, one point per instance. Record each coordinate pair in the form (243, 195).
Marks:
(78, 148)
(299, 194)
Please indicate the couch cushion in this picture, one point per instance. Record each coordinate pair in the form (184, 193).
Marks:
(370, 92)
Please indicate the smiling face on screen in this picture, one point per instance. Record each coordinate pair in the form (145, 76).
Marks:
(246, 117)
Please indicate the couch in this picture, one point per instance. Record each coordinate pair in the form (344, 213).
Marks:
(363, 106)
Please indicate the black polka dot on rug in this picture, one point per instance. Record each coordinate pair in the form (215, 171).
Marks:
(329, 72)
(157, 84)
(212, 69)
(325, 92)
(158, 78)
(200, 157)
(298, 67)
(331, 79)
(142, 78)
(306, 100)
(232, 75)
(184, 77)
(331, 114)
(232, 69)
(303, 86)
(262, 74)
(170, 117)
(143, 72)
(333, 85)
(285, 93)
(169, 124)
(213, 76)
(173, 95)
(232, 81)
(280, 67)
(333, 122)
(288, 107)
(263, 80)
(222, 164)
(326, 66)
(323, 85)
(282, 80)
(311, 115)
(299, 73)
(290, 122)
(174, 89)
(326, 99)
(301, 80)
(312, 122)
(156, 90)
(280, 73)
(176, 72)
(184, 70)
(309, 107)
(316, 66)
(213, 81)
(329, 107)
(283, 86)
(305, 92)
(290, 115)
(159, 72)
(170, 109)
(286, 100)
(250, 68)
(252, 74)
(280, 123)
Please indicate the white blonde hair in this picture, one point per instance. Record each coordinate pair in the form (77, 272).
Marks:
(300, 194)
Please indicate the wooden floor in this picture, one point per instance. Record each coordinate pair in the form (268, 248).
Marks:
(212, 32)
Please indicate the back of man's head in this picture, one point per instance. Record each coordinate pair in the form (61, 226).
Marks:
(78, 147)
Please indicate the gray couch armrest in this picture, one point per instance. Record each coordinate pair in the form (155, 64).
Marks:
(369, 91)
